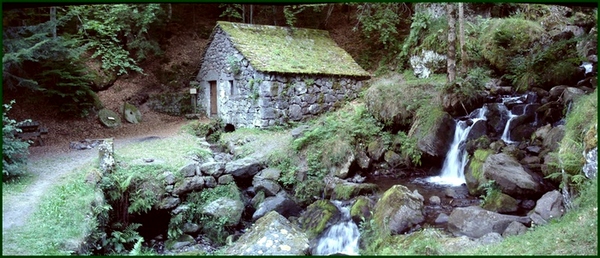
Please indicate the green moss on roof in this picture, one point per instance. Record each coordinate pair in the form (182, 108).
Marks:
(286, 50)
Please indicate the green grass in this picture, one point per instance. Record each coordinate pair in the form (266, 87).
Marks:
(64, 218)
(59, 224)
(576, 233)
(395, 98)
(174, 151)
(285, 50)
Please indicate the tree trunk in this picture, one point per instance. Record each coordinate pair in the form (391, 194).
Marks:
(275, 15)
(251, 10)
(53, 21)
(451, 57)
(464, 62)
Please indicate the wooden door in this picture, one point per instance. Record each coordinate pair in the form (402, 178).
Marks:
(213, 98)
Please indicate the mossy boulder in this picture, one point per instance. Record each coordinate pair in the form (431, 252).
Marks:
(347, 190)
(131, 113)
(361, 209)
(317, 217)
(227, 209)
(474, 172)
(399, 210)
(500, 202)
(109, 118)
(434, 132)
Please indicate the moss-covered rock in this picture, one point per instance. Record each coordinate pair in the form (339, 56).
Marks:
(361, 209)
(500, 202)
(131, 113)
(434, 131)
(317, 217)
(347, 190)
(398, 210)
(474, 171)
(109, 118)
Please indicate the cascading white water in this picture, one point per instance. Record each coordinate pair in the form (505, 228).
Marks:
(506, 133)
(341, 238)
(588, 67)
(456, 158)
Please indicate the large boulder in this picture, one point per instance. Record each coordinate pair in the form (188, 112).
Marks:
(510, 176)
(497, 116)
(244, 167)
(281, 203)
(213, 168)
(550, 206)
(344, 190)
(475, 222)
(317, 217)
(501, 203)
(399, 210)
(269, 186)
(434, 139)
(554, 137)
(361, 209)
(272, 234)
(225, 208)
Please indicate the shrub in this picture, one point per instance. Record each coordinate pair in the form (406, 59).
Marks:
(14, 150)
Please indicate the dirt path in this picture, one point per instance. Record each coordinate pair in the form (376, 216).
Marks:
(52, 165)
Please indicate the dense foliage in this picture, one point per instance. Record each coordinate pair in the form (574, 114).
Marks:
(48, 49)
(14, 150)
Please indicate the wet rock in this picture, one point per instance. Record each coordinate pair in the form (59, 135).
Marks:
(225, 208)
(243, 168)
(272, 234)
(281, 203)
(479, 129)
(550, 112)
(514, 228)
(361, 209)
(344, 190)
(475, 222)
(548, 207)
(434, 141)
(317, 217)
(497, 116)
(510, 176)
(399, 210)
(530, 160)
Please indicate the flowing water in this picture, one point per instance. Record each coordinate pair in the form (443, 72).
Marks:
(341, 238)
(456, 158)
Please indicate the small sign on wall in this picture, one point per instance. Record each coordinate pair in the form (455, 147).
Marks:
(193, 91)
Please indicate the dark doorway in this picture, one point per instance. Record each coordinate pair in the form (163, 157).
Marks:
(213, 98)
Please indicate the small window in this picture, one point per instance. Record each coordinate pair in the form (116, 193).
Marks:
(231, 88)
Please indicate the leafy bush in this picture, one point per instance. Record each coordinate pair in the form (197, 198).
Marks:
(14, 150)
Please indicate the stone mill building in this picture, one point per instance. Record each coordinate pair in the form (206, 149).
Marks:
(260, 75)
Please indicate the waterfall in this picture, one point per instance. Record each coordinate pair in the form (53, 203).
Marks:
(456, 158)
(341, 238)
(588, 67)
(506, 133)
(519, 100)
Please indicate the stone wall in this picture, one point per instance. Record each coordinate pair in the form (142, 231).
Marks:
(250, 98)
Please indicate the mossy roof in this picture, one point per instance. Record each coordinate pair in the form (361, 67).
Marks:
(291, 50)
